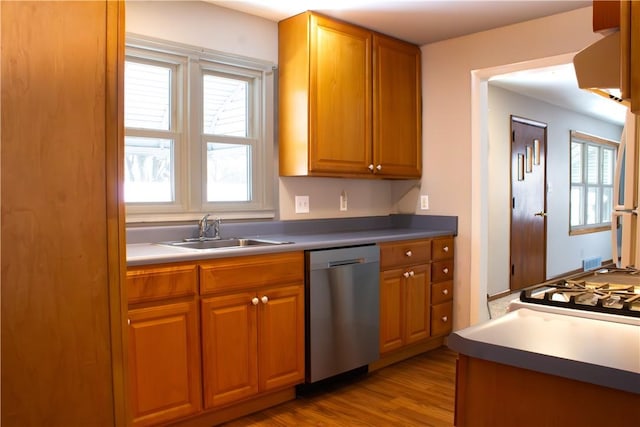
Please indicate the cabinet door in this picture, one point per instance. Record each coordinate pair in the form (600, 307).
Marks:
(281, 336)
(397, 112)
(164, 362)
(229, 348)
(391, 310)
(340, 97)
(417, 300)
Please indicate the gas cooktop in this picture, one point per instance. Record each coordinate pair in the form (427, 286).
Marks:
(613, 291)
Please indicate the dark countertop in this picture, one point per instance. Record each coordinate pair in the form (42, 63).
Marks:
(600, 352)
(143, 247)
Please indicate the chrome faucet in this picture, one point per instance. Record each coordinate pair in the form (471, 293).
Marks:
(204, 226)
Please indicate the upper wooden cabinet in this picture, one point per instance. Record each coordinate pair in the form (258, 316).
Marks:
(349, 101)
(606, 15)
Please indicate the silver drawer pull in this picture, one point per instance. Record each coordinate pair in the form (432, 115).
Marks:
(445, 319)
(265, 299)
(445, 291)
(446, 249)
(445, 270)
(408, 253)
(255, 301)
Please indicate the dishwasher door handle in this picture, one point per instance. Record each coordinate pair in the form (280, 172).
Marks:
(340, 263)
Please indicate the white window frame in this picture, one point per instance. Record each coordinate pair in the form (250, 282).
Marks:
(191, 63)
(594, 141)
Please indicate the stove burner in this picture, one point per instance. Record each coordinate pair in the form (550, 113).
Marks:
(606, 291)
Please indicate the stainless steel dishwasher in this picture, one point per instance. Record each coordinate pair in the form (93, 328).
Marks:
(342, 310)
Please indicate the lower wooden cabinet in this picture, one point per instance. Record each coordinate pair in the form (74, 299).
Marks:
(416, 296)
(252, 342)
(208, 337)
(404, 307)
(164, 362)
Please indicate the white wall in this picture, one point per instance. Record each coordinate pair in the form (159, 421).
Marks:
(202, 24)
(564, 252)
(456, 137)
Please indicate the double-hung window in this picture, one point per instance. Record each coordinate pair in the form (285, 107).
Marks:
(198, 133)
(592, 174)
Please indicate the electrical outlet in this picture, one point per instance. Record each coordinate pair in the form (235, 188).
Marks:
(424, 202)
(343, 201)
(302, 204)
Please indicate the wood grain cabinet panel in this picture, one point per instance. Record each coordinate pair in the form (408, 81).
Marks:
(441, 292)
(441, 318)
(403, 253)
(227, 274)
(252, 326)
(281, 337)
(397, 138)
(442, 248)
(150, 283)
(164, 363)
(252, 342)
(606, 15)
(442, 286)
(349, 101)
(229, 348)
(442, 270)
(404, 294)
(391, 310)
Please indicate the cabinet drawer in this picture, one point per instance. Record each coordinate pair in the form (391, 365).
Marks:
(153, 283)
(251, 271)
(404, 253)
(442, 248)
(441, 292)
(441, 318)
(442, 271)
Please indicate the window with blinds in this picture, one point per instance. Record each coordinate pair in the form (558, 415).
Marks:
(592, 173)
(197, 138)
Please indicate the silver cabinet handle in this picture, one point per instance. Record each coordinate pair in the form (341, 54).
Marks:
(371, 167)
(264, 299)
(445, 291)
(446, 249)
(408, 253)
(405, 274)
(379, 167)
(129, 322)
(445, 270)
(408, 274)
(411, 273)
(255, 301)
(445, 319)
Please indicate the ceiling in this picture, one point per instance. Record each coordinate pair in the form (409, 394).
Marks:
(423, 22)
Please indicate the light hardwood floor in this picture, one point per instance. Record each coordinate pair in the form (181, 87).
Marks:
(415, 392)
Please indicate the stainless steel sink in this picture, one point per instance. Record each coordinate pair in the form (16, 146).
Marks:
(223, 243)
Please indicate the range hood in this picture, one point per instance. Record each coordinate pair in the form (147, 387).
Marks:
(598, 67)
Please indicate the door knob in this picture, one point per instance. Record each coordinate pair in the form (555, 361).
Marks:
(541, 213)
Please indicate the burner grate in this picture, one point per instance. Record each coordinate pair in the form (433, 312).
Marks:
(582, 295)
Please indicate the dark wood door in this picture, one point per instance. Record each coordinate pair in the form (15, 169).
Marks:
(528, 203)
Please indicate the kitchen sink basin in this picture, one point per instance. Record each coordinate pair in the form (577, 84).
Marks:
(223, 243)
